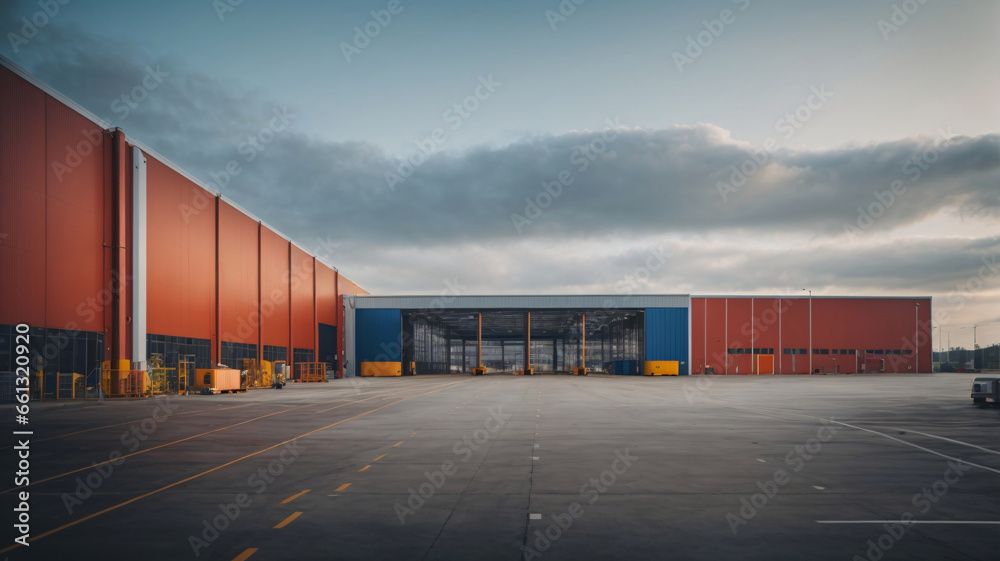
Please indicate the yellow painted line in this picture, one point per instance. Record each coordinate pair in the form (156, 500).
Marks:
(382, 395)
(295, 496)
(246, 554)
(380, 457)
(398, 443)
(123, 457)
(288, 520)
(134, 422)
(342, 487)
(218, 467)
(365, 468)
(117, 425)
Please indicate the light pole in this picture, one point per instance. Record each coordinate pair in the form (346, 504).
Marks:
(916, 333)
(933, 349)
(810, 330)
(974, 346)
(948, 353)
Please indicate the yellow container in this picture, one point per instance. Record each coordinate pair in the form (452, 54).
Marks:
(217, 379)
(381, 368)
(662, 368)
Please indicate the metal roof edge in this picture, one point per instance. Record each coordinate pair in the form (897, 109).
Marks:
(56, 94)
(84, 112)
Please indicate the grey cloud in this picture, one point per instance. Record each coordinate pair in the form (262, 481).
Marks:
(645, 182)
(452, 217)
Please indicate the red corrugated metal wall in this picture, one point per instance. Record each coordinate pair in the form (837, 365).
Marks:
(326, 295)
(23, 164)
(238, 280)
(180, 268)
(303, 306)
(66, 216)
(844, 330)
(794, 335)
(74, 219)
(274, 291)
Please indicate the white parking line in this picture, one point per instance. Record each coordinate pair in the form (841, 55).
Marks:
(908, 522)
(953, 441)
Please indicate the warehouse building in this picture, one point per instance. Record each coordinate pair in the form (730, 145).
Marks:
(112, 253)
(637, 334)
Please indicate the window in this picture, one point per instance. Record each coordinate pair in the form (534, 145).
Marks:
(303, 355)
(824, 351)
(907, 352)
(234, 353)
(274, 353)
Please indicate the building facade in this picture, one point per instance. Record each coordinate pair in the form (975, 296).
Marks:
(111, 252)
(624, 334)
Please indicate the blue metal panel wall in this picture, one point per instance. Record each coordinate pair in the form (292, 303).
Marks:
(379, 335)
(667, 335)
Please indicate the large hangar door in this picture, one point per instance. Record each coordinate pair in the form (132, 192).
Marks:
(667, 336)
(378, 344)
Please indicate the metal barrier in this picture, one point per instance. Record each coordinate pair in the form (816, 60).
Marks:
(310, 372)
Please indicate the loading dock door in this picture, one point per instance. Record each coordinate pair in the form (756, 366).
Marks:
(765, 364)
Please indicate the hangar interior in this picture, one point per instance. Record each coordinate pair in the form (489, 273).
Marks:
(444, 341)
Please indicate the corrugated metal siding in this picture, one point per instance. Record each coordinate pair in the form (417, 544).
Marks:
(238, 281)
(838, 323)
(326, 295)
(181, 248)
(378, 335)
(667, 335)
(303, 310)
(23, 165)
(274, 306)
(596, 302)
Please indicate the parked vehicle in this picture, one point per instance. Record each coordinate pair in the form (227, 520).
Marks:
(986, 390)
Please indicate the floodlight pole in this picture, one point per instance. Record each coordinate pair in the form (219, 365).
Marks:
(810, 330)
(527, 342)
(916, 334)
(974, 345)
(948, 351)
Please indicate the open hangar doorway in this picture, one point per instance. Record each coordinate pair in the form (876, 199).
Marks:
(503, 341)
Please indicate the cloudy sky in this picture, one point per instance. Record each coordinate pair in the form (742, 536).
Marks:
(726, 147)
